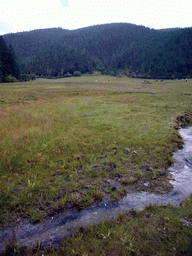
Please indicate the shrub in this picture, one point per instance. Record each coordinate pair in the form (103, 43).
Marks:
(24, 77)
(10, 79)
(27, 77)
(77, 73)
(33, 76)
(67, 75)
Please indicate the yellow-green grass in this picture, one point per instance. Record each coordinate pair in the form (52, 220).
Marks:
(63, 141)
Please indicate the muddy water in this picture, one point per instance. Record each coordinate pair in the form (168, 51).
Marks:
(52, 230)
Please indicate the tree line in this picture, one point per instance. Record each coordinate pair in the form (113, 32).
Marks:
(113, 49)
(9, 67)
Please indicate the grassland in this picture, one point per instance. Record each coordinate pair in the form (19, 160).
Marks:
(68, 142)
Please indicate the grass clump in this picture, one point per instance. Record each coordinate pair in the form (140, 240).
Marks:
(129, 181)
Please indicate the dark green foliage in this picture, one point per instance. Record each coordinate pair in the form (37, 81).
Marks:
(112, 49)
(67, 75)
(9, 69)
(77, 73)
(170, 56)
(10, 79)
(27, 44)
(27, 77)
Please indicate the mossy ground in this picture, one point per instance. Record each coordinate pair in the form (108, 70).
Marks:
(68, 142)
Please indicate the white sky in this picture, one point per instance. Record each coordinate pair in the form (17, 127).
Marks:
(26, 15)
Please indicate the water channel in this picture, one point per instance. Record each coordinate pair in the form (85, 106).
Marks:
(53, 229)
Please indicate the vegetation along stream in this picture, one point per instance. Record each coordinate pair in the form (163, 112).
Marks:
(53, 229)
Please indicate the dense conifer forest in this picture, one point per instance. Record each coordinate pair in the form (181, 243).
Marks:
(9, 69)
(114, 49)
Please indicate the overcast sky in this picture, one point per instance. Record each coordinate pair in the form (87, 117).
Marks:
(26, 15)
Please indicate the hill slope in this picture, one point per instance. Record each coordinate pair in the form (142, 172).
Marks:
(111, 48)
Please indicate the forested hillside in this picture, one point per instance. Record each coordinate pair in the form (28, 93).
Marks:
(113, 49)
(27, 44)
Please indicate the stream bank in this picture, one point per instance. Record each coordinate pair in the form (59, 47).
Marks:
(53, 229)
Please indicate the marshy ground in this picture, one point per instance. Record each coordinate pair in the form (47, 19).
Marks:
(70, 142)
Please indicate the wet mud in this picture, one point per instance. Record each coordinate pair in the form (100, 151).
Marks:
(53, 229)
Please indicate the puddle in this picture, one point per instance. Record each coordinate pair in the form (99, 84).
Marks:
(52, 230)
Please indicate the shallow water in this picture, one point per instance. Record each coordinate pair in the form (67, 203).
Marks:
(53, 229)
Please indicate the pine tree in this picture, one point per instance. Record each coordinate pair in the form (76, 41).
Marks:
(8, 63)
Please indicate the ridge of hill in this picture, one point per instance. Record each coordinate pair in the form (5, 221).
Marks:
(29, 43)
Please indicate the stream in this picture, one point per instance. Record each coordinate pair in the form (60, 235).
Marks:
(53, 229)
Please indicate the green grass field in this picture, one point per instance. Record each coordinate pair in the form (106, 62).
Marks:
(64, 143)
(61, 140)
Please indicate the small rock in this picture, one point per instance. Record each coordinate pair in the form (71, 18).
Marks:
(127, 150)
(146, 184)
(186, 223)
